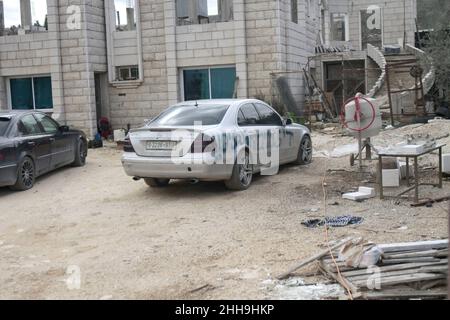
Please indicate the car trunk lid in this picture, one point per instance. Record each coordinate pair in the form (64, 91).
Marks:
(165, 141)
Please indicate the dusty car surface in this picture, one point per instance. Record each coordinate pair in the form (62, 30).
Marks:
(215, 140)
(32, 144)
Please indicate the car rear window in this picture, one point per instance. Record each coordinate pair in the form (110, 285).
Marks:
(4, 124)
(207, 115)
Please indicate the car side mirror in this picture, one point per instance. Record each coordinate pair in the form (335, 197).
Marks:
(64, 128)
(288, 122)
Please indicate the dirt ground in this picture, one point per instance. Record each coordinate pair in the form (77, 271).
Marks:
(186, 241)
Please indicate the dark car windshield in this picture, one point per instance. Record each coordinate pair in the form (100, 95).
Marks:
(4, 123)
(188, 115)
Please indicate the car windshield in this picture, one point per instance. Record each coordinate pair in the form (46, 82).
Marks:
(4, 123)
(188, 115)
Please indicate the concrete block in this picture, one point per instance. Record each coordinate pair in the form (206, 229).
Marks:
(391, 177)
(362, 194)
(446, 163)
(402, 166)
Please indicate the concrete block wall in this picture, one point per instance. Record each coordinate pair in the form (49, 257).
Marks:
(83, 51)
(134, 105)
(393, 13)
(70, 56)
(264, 47)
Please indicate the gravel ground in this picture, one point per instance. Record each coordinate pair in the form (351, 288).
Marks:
(185, 241)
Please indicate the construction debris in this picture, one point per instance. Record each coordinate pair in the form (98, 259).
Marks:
(362, 194)
(400, 271)
(414, 270)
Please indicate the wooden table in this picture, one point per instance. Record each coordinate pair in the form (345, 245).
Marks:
(417, 183)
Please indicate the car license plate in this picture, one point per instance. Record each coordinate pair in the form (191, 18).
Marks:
(161, 145)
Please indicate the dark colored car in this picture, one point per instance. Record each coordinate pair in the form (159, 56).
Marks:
(32, 144)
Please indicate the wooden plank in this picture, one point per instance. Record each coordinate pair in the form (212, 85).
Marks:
(405, 294)
(405, 266)
(409, 278)
(312, 259)
(409, 260)
(385, 274)
(435, 269)
(341, 280)
(410, 246)
(413, 254)
(425, 202)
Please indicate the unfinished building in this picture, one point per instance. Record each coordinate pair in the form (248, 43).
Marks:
(127, 60)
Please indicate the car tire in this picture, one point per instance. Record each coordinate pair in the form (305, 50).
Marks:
(80, 154)
(26, 175)
(157, 183)
(242, 175)
(305, 151)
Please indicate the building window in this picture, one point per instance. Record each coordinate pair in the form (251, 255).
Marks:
(19, 17)
(125, 15)
(31, 93)
(203, 11)
(339, 27)
(209, 83)
(294, 11)
(127, 73)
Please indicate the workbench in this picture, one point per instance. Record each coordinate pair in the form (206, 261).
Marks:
(415, 156)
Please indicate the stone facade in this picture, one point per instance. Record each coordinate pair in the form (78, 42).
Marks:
(260, 40)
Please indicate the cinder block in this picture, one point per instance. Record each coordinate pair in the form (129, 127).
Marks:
(402, 166)
(362, 194)
(446, 163)
(391, 177)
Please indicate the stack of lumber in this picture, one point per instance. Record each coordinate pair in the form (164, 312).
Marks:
(416, 270)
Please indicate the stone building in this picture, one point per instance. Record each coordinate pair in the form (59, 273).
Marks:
(128, 60)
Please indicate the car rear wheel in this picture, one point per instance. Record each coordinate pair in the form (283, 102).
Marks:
(242, 175)
(80, 154)
(25, 175)
(157, 183)
(305, 151)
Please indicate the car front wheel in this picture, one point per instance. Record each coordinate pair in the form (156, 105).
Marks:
(80, 154)
(25, 175)
(305, 151)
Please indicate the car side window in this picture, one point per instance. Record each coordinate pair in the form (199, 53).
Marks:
(47, 123)
(250, 115)
(30, 125)
(268, 116)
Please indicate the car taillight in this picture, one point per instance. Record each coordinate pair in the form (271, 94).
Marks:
(127, 146)
(203, 143)
(2, 157)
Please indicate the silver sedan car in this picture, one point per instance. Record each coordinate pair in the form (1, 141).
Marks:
(215, 140)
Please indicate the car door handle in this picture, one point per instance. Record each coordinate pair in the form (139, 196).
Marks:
(52, 139)
(31, 143)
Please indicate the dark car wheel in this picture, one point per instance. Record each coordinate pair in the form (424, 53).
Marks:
(242, 175)
(305, 151)
(80, 154)
(157, 183)
(25, 175)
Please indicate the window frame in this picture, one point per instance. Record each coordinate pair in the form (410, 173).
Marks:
(32, 77)
(181, 77)
(346, 26)
(129, 68)
(294, 13)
